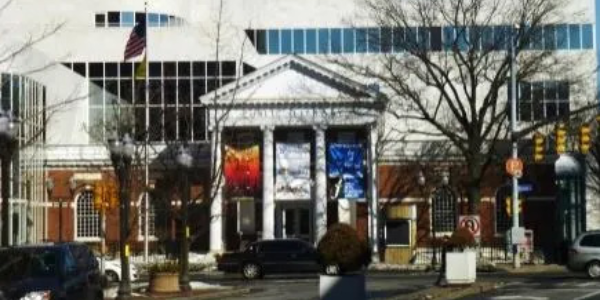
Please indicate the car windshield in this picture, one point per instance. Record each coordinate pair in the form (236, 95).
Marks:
(31, 263)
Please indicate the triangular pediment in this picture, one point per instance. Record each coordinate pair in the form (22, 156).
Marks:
(291, 79)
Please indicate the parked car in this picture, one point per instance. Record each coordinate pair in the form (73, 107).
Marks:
(584, 254)
(112, 270)
(271, 256)
(52, 271)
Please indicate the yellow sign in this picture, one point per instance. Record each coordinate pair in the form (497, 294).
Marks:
(187, 231)
(508, 202)
(126, 250)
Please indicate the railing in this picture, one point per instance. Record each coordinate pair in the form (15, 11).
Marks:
(497, 254)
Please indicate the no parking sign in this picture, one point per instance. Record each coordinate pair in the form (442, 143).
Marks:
(471, 222)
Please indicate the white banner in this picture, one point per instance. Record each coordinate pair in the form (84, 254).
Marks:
(292, 171)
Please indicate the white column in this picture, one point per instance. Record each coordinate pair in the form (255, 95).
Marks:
(216, 207)
(320, 201)
(374, 197)
(268, 228)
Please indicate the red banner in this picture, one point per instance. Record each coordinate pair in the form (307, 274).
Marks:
(242, 170)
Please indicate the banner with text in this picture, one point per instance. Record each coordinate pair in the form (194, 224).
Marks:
(345, 161)
(242, 170)
(292, 171)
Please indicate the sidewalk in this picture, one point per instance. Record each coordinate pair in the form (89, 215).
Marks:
(200, 291)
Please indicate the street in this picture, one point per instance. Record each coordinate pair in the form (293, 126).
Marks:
(564, 287)
(295, 287)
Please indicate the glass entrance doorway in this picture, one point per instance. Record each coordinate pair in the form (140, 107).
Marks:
(294, 221)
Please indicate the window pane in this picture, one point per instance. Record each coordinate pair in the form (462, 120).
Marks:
(96, 92)
(374, 40)
(563, 90)
(324, 40)
(286, 41)
(140, 123)
(155, 130)
(170, 123)
(273, 41)
(525, 90)
(525, 111)
(96, 70)
(348, 40)
(436, 38)
(501, 37)
(311, 41)
(537, 38)
(411, 38)
(574, 36)
(261, 41)
(475, 37)
(139, 17)
(111, 69)
(199, 89)
(587, 35)
(551, 109)
(169, 69)
(336, 40)
(127, 18)
(199, 69)
(386, 39)
(423, 38)
(199, 124)
(298, 41)
(228, 68)
(79, 68)
(114, 19)
(487, 38)
(184, 91)
(549, 37)
(100, 20)
(361, 40)
(562, 38)
(449, 38)
(153, 20)
(155, 91)
(398, 37)
(183, 68)
(185, 122)
(125, 69)
(169, 91)
(163, 20)
(155, 69)
(550, 90)
(125, 90)
(563, 109)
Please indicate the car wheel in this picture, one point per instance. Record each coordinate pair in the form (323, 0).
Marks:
(332, 270)
(251, 271)
(593, 269)
(111, 276)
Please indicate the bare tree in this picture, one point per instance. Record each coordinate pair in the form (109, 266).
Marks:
(445, 67)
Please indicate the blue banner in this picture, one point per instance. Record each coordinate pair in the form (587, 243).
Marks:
(345, 161)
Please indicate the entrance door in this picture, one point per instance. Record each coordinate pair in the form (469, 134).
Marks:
(295, 222)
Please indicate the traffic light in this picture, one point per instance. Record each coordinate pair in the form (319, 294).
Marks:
(561, 139)
(538, 147)
(584, 138)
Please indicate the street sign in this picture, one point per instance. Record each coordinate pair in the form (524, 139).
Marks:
(472, 223)
(525, 188)
(517, 235)
(514, 167)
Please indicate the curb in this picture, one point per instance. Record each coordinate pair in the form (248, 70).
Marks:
(216, 294)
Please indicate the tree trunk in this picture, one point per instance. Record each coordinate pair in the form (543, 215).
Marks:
(474, 184)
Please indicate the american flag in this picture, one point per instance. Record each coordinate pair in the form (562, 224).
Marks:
(137, 41)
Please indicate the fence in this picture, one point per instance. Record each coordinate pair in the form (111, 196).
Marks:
(497, 254)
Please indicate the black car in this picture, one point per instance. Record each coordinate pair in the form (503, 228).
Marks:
(271, 256)
(56, 272)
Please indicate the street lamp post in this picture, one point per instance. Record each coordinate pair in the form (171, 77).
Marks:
(421, 180)
(185, 161)
(121, 153)
(513, 133)
(8, 132)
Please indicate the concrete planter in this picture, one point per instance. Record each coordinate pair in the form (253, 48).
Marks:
(461, 267)
(164, 282)
(347, 287)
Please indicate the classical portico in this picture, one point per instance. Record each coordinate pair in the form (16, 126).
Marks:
(275, 129)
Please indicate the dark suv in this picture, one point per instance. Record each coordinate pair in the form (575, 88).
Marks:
(62, 271)
(271, 256)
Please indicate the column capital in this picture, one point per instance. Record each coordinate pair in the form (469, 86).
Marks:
(319, 127)
(213, 128)
(267, 127)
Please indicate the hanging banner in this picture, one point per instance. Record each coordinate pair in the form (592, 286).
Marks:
(292, 171)
(345, 161)
(242, 170)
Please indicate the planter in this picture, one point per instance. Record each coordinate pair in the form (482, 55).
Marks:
(347, 287)
(164, 282)
(461, 267)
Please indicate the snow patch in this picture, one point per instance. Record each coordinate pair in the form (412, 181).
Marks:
(197, 285)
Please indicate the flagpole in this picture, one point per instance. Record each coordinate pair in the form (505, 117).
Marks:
(146, 136)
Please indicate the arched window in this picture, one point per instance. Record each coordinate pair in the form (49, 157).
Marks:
(443, 210)
(87, 226)
(142, 218)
